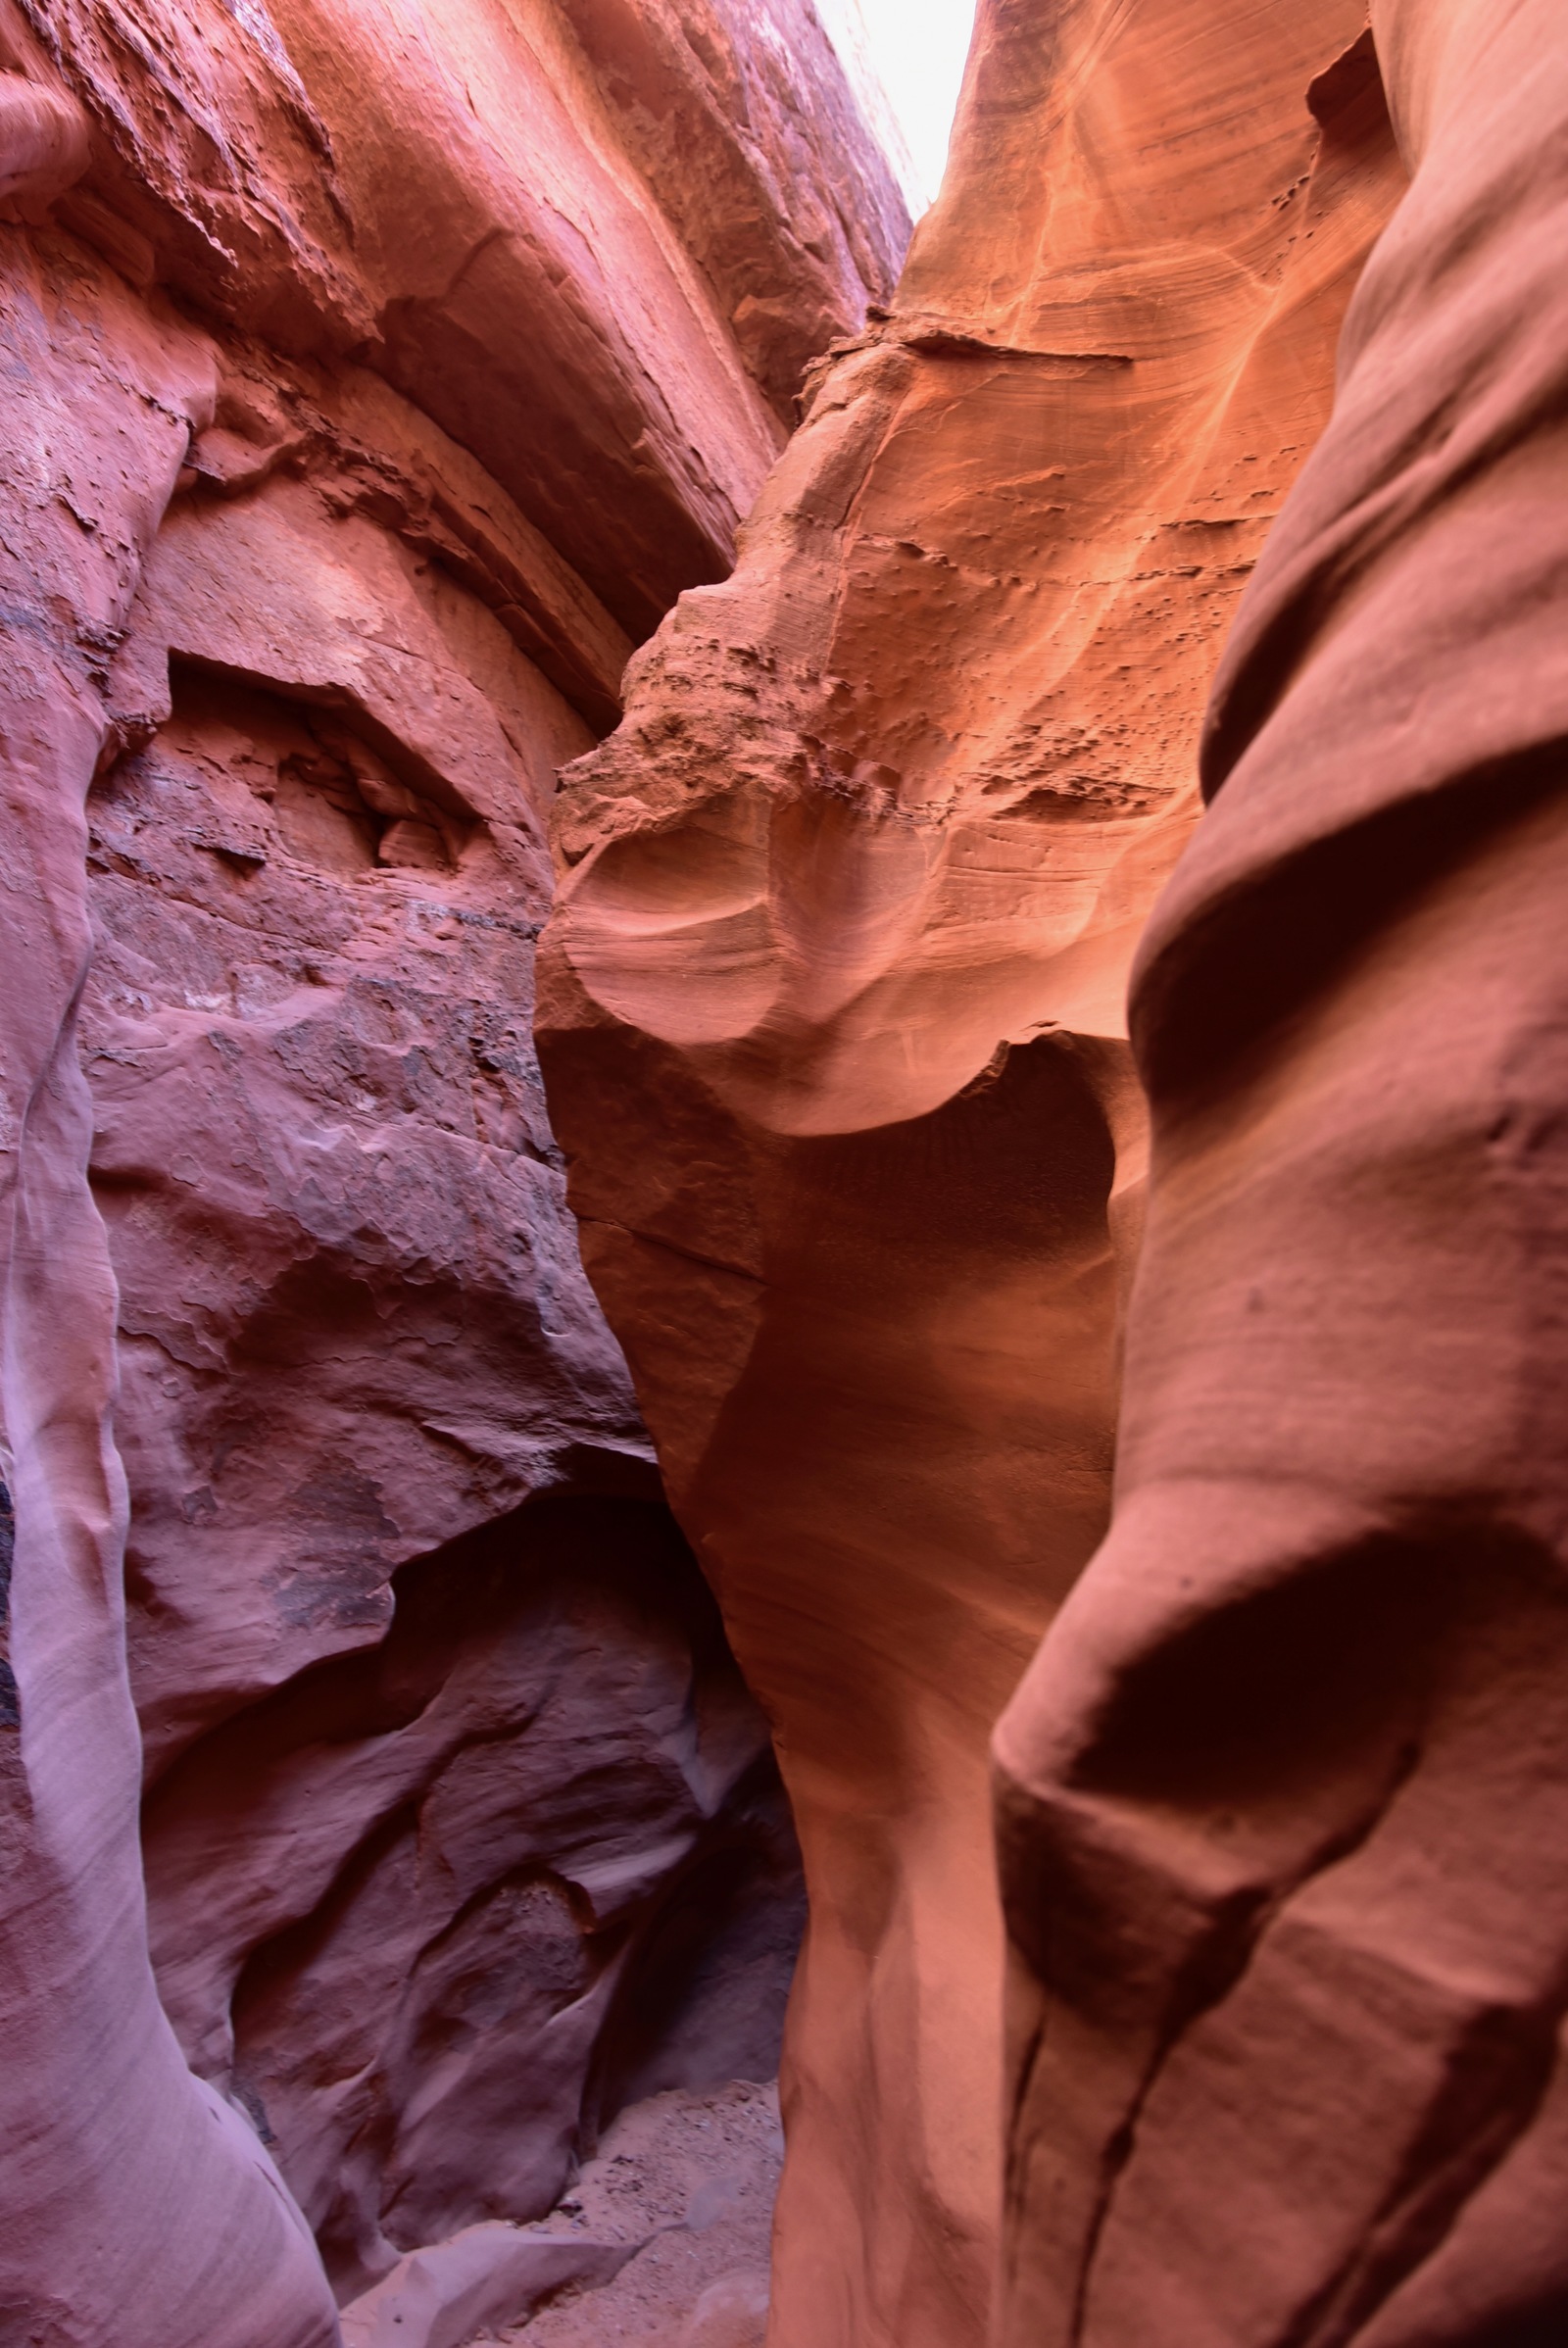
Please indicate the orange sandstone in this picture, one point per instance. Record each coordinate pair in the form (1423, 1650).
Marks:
(832, 1020)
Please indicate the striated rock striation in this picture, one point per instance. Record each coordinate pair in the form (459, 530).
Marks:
(374, 384)
(1283, 1798)
(831, 1013)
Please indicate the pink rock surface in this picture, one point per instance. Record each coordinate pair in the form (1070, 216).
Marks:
(354, 1324)
(380, 372)
(293, 594)
(433, 1914)
(473, 199)
(137, 2205)
(1283, 1798)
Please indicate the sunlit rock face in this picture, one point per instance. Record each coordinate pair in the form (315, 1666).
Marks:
(832, 1016)
(376, 381)
(1283, 1798)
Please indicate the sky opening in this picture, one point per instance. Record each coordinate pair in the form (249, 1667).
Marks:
(917, 50)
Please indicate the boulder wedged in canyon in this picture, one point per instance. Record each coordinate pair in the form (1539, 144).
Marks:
(370, 395)
(830, 1010)
(1283, 1801)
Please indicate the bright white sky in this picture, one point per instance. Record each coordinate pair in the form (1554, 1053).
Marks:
(917, 49)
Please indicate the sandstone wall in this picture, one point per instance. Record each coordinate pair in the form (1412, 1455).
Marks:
(1283, 1796)
(832, 1020)
(112, 2141)
(380, 376)
(374, 382)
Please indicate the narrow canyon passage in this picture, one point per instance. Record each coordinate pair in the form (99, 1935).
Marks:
(773, 986)
(851, 902)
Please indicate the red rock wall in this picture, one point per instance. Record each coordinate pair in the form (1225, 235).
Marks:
(128, 2186)
(371, 393)
(832, 1020)
(1283, 1798)
(379, 375)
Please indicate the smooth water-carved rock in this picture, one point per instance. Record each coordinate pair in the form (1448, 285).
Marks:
(138, 2205)
(433, 1913)
(369, 394)
(1283, 1800)
(832, 1023)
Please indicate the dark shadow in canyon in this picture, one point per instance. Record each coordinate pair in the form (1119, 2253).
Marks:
(435, 1911)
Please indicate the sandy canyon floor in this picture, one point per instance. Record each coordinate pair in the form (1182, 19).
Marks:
(697, 2173)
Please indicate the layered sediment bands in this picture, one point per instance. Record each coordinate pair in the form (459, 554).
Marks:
(128, 2185)
(482, 205)
(744, 128)
(353, 1320)
(832, 1019)
(1283, 1800)
(369, 397)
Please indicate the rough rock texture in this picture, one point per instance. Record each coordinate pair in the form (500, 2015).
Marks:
(448, 2294)
(469, 197)
(372, 386)
(379, 374)
(832, 1023)
(747, 131)
(433, 1913)
(663, 2242)
(1284, 1799)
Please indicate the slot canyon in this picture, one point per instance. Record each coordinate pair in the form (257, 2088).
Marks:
(783, 1178)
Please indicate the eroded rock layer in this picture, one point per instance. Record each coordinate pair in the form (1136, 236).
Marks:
(832, 1024)
(434, 1913)
(374, 381)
